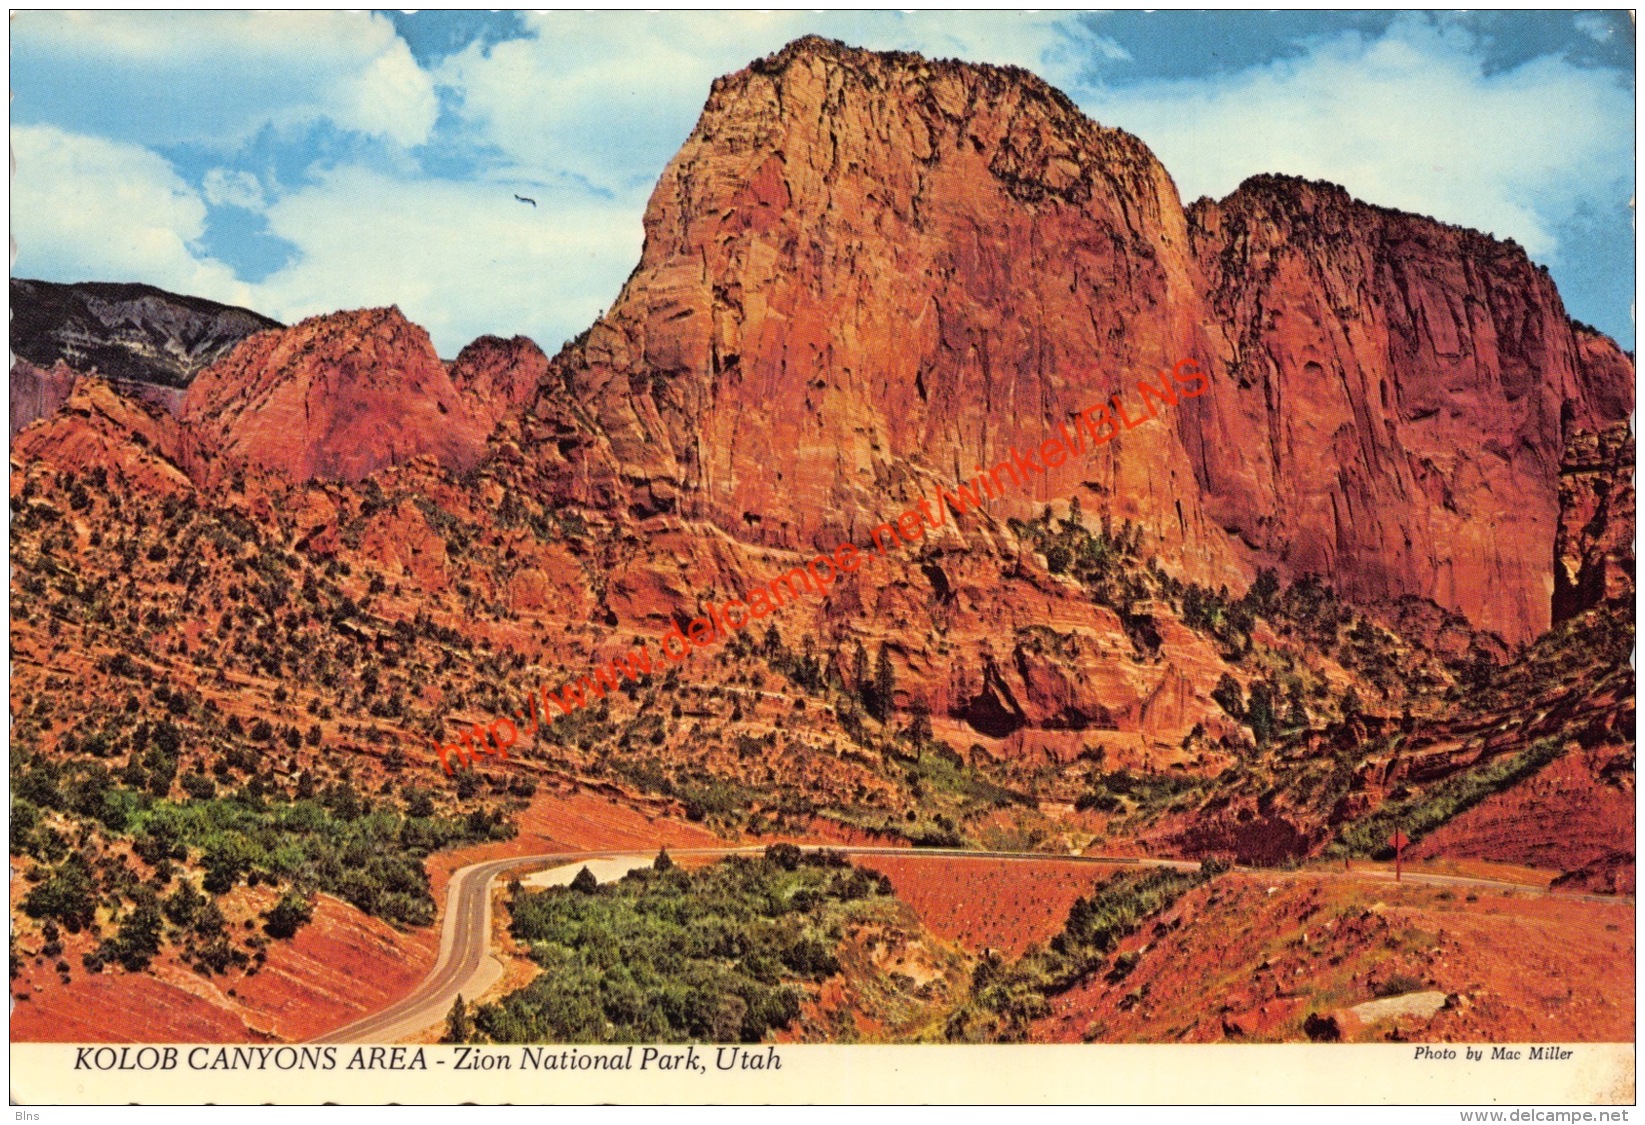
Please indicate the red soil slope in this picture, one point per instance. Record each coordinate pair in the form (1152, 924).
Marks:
(341, 966)
(1250, 958)
(1576, 811)
(981, 904)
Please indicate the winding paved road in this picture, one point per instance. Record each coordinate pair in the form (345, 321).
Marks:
(466, 967)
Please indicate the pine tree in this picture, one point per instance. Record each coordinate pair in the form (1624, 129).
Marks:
(859, 672)
(1297, 714)
(1260, 713)
(1265, 588)
(773, 648)
(458, 1026)
(1228, 695)
(1351, 705)
(585, 882)
(289, 915)
(919, 729)
(663, 862)
(884, 685)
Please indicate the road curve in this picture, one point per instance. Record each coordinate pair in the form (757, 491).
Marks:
(465, 966)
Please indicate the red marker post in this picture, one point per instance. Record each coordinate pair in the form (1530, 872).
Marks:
(1398, 841)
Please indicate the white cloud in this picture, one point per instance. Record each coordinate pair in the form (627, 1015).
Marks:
(610, 98)
(87, 208)
(1407, 120)
(460, 259)
(219, 76)
(1594, 26)
(391, 97)
(225, 187)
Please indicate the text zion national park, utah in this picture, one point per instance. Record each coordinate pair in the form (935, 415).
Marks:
(1072, 714)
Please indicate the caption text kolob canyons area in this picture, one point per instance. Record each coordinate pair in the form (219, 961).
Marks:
(1376, 578)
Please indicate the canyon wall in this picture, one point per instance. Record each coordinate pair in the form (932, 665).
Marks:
(336, 396)
(866, 274)
(1392, 410)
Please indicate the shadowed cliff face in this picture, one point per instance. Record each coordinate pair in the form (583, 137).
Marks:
(1394, 402)
(37, 392)
(1594, 556)
(862, 269)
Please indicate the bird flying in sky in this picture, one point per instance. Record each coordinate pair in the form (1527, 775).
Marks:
(523, 199)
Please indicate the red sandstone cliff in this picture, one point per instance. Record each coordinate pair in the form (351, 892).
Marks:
(97, 428)
(865, 271)
(1392, 411)
(496, 377)
(868, 273)
(336, 396)
(37, 392)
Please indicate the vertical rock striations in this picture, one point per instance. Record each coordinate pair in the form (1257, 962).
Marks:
(36, 392)
(864, 270)
(1391, 415)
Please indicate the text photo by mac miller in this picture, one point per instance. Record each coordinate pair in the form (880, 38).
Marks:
(823, 557)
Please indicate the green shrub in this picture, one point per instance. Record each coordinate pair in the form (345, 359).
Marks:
(199, 786)
(1398, 984)
(667, 955)
(373, 861)
(138, 939)
(288, 916)
(68, 895)
(183, 904)
(1420, 814)
(786, 856)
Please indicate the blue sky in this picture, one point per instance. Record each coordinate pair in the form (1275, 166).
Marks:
(301, 162)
